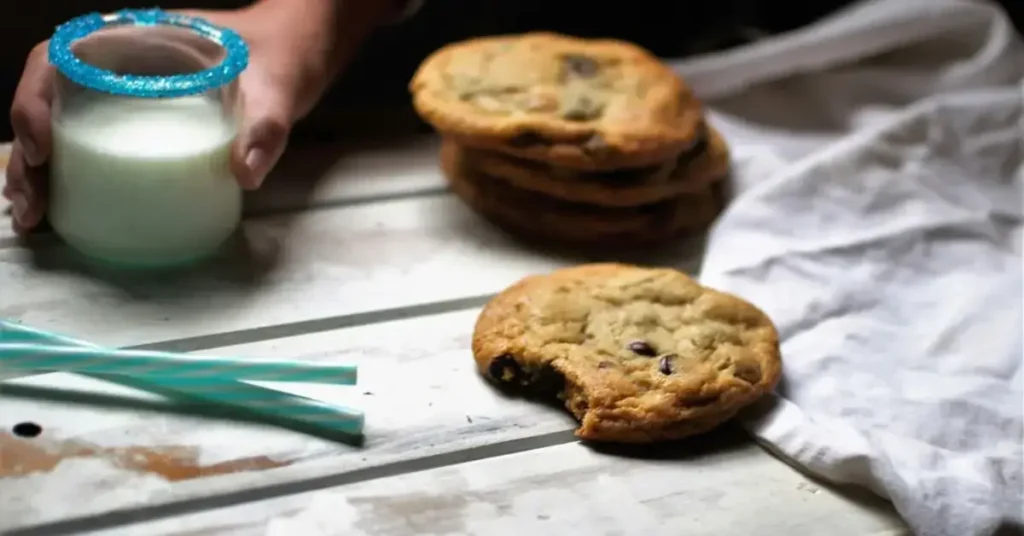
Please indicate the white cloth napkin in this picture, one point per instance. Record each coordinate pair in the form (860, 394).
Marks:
(877, 216)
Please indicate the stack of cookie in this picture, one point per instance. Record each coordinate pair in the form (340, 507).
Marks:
(588, 141)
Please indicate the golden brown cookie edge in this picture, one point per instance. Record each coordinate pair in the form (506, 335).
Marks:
(691, 177)
(518, 214)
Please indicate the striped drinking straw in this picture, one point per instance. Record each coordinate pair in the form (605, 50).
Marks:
(238, 395)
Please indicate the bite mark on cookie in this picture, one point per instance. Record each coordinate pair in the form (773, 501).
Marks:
(511, 373)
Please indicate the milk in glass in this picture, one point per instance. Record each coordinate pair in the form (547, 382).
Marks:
(144, 181)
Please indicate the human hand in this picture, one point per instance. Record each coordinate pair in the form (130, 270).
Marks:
(296, 49)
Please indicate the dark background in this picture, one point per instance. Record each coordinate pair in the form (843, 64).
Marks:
(378, 78)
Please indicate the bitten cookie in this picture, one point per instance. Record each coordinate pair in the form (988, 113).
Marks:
(691, 172)
(586, 104)
(537, 216)
(637, 354)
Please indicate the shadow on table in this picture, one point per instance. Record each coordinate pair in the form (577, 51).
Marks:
(322, 141)
(685, 254)
(246, 260)
(730, 437)
(727, 437)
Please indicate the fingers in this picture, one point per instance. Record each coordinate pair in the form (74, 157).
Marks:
(30, 112)
(25, 188)
(30, 118)
(266, 122)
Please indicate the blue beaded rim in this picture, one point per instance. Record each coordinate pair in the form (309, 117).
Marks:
(236, 58)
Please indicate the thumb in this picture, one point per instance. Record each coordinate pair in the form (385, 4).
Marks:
(265, 126)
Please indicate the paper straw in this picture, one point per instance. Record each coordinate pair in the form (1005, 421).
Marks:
(169, 367)
(238, 395)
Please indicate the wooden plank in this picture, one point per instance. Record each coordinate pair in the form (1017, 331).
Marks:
(726, 488)
(321, 264)
(113, 447)
(378, 249)
(106, 448)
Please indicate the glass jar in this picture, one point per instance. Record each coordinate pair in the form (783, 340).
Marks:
(144, 118)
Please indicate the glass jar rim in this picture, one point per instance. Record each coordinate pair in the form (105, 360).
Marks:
(61, 56)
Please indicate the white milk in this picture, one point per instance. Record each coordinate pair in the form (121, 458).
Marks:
(143, 181)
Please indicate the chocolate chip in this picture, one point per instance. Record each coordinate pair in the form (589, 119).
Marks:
(748, 372)
(527, 139)
(642, 348)
(604, 364)
(580, 66)
(505, 369)
(665, 364)
(27, 429)
(595, 144)
(582, 108)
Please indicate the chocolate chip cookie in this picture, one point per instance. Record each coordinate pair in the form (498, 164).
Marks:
(637, 354)
(585, 104)
(691, 172)
(535, 215)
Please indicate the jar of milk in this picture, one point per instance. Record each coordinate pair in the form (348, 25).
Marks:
(143, 122)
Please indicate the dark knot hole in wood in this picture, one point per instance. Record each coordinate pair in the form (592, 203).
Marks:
(27, 429)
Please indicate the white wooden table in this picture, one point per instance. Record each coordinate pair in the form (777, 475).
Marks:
(356, 257)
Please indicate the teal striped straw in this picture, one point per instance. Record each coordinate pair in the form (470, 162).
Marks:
(170, 367)
(267, 403)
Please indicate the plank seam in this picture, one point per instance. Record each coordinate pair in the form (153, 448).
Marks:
(317, 325)
(46, 235)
